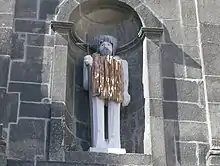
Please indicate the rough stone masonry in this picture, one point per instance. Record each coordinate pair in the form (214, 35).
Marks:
(184, 87)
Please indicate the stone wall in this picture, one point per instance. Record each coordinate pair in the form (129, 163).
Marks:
(183, 64)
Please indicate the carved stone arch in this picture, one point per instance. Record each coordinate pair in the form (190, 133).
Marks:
(147, 17)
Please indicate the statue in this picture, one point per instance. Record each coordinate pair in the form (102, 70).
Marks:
(109, 87)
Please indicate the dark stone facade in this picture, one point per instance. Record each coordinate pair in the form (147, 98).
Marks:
(44, 109)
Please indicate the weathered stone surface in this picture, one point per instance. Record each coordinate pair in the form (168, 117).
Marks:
(39, 55)
(81, 112)
(148, 17)
(193, 68)
(153, 52)
(170, 142)
(160, 8)
(215, 144)
(20, 163)
(180, 90)
(61, 39)
(17, 50)
(191, 131)
(47, 163)
(188, 9)
(183, 111)
(82, 131)
(31, 26)
(34, 110)
(211, 58)
(57, 109)
(4, 67)
(132, 117)
(213, 88)
(158, 140)
(184, 131)
(191, 51)
(56, 151)
(60, 74)
(214, 160)
(210, 33)
(172, 32)
(65, 10)
(190, 35)
(6, 20)
(26, 9)
(9, 109)
(172, 60)
(30, 72)
(38, 92)
(7, 6)
(5, 41)
(209, 11)
(27, 139)
(154, 67)
(215, 120)
(40, 40)
(203, 150)
(186, 154)
(47, 8)
(202, 101)
(2, 95)
(132, 3)
(155, 81)
(110, 159)
(156, 108)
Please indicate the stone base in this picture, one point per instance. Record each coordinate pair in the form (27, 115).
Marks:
(91, 159)
(108, 150)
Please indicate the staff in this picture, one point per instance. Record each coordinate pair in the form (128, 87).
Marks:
(90, 90)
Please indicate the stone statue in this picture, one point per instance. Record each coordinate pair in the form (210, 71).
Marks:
(109, 79)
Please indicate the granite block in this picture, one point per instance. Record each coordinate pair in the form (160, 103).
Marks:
(213, 88)
(40, 40)
(186, 154)
(27, 139)
(184, 111)
(172, 61)
(34, 110)
(38, 92)
(31, 26)
(4, 68)
(17, 50)
(26, 9)
(180, 90)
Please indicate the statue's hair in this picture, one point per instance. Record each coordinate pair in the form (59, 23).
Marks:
(106, 38)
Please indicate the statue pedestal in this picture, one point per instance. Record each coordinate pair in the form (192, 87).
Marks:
(108, 150)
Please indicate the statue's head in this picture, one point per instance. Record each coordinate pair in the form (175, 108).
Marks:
(106, 45)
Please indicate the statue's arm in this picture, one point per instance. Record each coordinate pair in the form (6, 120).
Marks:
(87, 61)
(127, 97)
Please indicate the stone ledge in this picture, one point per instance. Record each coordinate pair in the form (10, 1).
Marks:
(104, 158)
(51, 163)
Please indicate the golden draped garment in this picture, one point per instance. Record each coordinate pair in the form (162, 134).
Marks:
(107, 78)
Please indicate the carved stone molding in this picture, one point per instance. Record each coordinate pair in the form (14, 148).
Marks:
(68, 27)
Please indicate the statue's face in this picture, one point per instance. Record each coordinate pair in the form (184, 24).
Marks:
(105, 48)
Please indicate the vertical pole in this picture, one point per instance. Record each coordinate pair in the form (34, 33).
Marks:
(90, 91)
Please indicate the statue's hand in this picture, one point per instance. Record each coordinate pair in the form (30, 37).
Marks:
(88, 60)
(127, 99)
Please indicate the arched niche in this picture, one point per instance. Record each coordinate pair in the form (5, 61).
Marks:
(125, 21)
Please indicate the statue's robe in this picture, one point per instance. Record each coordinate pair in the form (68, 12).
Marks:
(107, 78)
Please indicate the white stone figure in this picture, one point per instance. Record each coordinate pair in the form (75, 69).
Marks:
(106, 48)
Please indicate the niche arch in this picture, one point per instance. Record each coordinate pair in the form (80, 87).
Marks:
(133, 128)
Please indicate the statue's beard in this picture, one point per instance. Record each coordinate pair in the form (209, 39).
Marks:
(105, 51)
